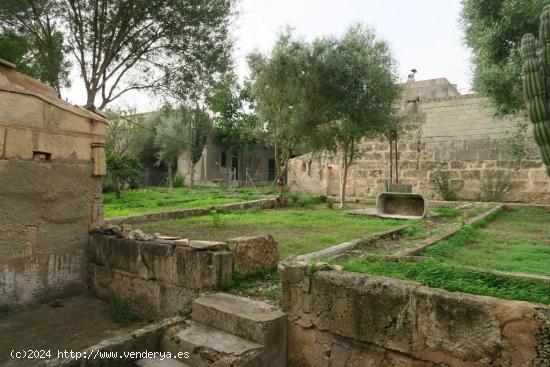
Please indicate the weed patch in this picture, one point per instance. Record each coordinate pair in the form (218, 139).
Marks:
(121, 310)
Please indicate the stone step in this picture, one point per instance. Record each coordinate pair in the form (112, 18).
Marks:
(211, 347)
(240, 316)
(157, 362)
(246, 318)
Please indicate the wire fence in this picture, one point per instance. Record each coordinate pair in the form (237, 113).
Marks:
(155, 177)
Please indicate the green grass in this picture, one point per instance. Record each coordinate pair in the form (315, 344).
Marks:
(264, 283)
(512, 242)
(296, 230)
(152, 200)
(447, 212)
(435, 274)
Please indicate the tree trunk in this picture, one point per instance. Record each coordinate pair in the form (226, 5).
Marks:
(343, 179)
(347, 160)
(170, 180)
(116, 185)
(191, 174)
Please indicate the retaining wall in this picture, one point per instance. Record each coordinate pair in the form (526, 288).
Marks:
(347, 319)
(159, 279)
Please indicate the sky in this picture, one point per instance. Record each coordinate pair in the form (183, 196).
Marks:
(423, 34)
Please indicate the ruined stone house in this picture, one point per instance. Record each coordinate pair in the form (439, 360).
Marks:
(221, 164)
(51, 163)
(444, 131)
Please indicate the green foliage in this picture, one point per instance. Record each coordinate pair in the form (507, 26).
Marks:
(181, 130)
(179, 180)
(33, 40)
(356, 90)
(280, 82)
(176, 47)
(218, 219)
(121, 310)
(514, 145)
(234, 118)
(441, 181)
(493, 31)
(536, 84)
(435, 274)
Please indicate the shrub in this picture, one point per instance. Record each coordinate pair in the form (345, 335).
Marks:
(495, 184)
(121, 310)
(442, 186)
(179, 180)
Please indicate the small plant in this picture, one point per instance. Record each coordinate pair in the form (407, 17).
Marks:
(443, 187)
(330, 204)
(179, 180)
(121, 310)
(217, 218)
(495, 184)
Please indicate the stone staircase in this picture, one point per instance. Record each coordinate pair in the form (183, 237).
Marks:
(226, 331)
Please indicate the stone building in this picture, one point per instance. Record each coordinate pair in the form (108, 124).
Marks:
(220, 164)
(444, 131)
(51, 163)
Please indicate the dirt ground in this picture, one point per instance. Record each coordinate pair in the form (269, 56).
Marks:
(74, 324)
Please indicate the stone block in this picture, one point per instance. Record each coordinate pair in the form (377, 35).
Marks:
(18, 144)
(253, 254)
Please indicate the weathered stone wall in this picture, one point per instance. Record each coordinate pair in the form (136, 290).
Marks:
(159, 279)
(51, 160)
(456, 134)
(346, 319)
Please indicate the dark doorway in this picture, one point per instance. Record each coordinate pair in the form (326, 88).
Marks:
(235, 166)
(271, 169)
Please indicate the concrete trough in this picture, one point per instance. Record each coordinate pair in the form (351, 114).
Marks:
(398, 205)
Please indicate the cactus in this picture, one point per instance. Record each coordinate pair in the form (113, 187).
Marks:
(536, 84)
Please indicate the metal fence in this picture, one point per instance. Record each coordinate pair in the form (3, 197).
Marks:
(155, 177)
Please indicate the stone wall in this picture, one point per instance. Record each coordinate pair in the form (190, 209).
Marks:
(51, 160)
(159, 278)
(351, 320)
(457, 134)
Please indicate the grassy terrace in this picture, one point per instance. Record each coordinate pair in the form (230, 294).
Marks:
(298, 230)
(517, 241)
(153, 200)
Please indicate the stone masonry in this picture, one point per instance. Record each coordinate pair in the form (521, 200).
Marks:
(51, 163)
(443, 131)
(346, 319)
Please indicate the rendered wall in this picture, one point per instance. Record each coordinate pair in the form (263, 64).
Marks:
(456, 134)
(51, 162)
(351, 320)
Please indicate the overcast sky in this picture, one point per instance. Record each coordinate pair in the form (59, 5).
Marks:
(423, 34)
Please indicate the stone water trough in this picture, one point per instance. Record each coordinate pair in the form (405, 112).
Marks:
(399, 205)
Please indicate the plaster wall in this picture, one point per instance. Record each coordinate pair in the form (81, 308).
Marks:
(51, 163)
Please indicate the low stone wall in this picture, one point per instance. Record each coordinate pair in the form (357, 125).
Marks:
(135, 344)
(194, 212)
(348, 319)
(158, 278)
